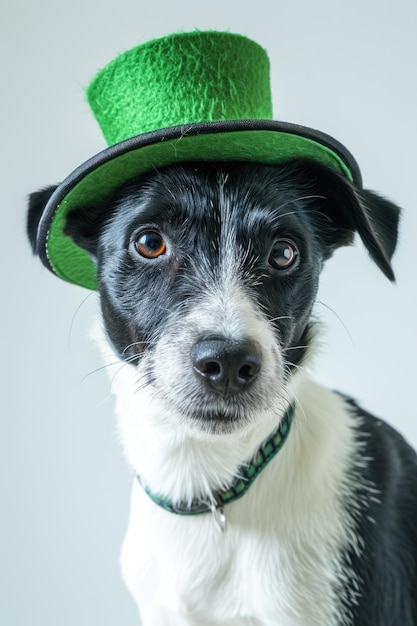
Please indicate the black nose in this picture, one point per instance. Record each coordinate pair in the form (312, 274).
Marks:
(226, 366)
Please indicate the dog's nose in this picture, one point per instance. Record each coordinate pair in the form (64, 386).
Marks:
(226, 366)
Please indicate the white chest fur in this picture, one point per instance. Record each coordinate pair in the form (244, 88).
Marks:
(277, 563)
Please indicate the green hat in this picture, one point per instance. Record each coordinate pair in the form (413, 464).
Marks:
(199, 96)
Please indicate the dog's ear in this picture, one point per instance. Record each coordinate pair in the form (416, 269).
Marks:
(37, 203)
(84, 225)
(345, 209)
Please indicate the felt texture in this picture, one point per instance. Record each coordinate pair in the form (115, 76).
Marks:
(186, 97)
(181, 79)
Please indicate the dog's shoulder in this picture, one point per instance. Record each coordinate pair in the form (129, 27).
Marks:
(392, 460)
(386, 523)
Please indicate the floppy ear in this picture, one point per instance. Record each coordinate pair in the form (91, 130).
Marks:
(84, 225)
(346, 209)
(37, 203)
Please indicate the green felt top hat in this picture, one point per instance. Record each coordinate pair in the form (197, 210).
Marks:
(188, 96)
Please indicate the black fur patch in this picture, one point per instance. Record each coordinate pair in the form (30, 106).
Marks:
(307, 204)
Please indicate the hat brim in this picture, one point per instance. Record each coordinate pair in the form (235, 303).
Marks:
(261, 141)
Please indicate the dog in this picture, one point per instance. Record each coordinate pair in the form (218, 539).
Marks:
(208, 273)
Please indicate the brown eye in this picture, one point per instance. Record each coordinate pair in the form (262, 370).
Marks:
(150, 244)
(283, 254)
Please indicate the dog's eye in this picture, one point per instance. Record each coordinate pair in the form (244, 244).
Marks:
(283, 254)
(150, 244)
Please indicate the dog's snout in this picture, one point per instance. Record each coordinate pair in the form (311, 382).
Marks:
(226, 366)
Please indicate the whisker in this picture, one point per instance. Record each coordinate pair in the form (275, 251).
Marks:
(294, 348)
(123, 362)
(300, 368)
(281, 317)
(291, 200)
(294, 395)
(143, 384)
(76, 312)
(326, 217)
(300, 406)
(98, 369)
(136, 343)
(122, 366)
(326, 306)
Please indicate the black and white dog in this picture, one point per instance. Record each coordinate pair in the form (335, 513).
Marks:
(260, 498)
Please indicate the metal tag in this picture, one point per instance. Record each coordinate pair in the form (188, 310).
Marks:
(219, 517)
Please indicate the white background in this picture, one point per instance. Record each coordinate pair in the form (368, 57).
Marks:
(346, 68)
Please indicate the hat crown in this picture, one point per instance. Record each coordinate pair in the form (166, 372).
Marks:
(181, 79)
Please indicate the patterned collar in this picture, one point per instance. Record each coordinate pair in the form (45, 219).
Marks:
(245, 477)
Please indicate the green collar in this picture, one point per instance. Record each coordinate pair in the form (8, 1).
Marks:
(245, 477)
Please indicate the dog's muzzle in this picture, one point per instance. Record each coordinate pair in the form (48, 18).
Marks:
(226, 366)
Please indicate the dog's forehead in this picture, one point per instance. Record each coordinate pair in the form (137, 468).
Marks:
(238, 195)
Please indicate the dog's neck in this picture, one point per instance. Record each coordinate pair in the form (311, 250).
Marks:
(245, 477)
(172, 459)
